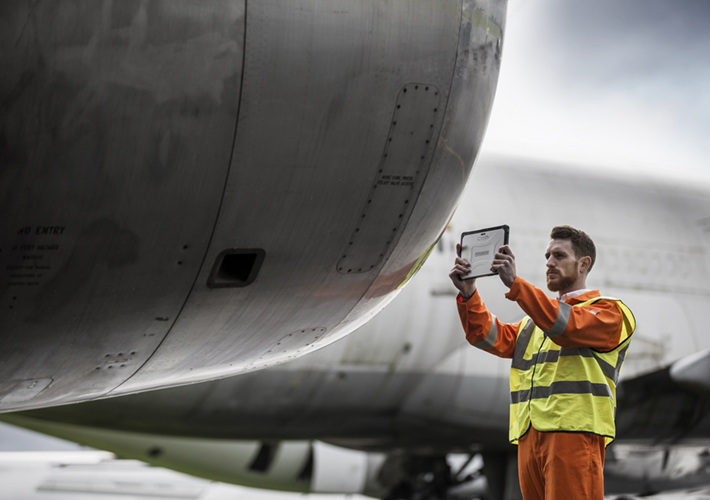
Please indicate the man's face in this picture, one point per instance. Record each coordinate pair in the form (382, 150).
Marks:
(563, 266)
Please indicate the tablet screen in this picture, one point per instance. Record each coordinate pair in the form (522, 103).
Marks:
(479, 247)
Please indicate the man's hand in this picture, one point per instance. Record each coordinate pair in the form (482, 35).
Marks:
(462, 267)
(504, 265)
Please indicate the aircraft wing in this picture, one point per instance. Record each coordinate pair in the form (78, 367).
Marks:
(670, 405)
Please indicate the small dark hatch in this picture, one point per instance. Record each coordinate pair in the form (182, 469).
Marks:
(236, 267)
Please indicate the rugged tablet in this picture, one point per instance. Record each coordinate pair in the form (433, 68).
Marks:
(479, 247)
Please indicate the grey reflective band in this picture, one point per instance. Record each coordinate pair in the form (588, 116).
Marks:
(619, 362)
(566, 387)
(490, 339)
(553, 357)
(521, 344)
(608, 370)
(561, 322)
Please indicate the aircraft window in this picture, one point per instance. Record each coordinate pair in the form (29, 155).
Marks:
(307, 471)
(236, 268)
(263, 459)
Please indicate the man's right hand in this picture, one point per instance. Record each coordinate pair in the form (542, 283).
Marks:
(462, 267)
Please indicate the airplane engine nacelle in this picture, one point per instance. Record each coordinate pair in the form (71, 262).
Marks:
(196, 189)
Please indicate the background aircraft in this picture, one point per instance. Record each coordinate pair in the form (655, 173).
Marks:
(393, 399)
(186, 186)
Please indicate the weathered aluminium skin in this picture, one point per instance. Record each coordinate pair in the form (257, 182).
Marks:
(323, 144)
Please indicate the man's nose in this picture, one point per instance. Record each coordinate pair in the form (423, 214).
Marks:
(549, 262)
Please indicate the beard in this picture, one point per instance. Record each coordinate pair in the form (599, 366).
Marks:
(562, 283)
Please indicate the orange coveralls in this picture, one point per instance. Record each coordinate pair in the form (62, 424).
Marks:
(552, 465)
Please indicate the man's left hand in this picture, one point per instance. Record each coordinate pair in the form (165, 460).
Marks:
(504, 265)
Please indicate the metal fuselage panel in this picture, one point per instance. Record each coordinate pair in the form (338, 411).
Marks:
(140, 140)
(116, 128)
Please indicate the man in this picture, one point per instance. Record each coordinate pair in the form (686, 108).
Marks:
(567, 354)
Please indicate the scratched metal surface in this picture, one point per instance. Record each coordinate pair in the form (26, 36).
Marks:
(141, 139)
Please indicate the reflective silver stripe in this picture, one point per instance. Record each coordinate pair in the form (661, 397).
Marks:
(566, 387)
(619, 362)
(585, 352)
(561, 322)
(490, 339)
(524, 364)
(610, 371)
(543, 357)
(607, 369)
(553, 357)
(521, 345)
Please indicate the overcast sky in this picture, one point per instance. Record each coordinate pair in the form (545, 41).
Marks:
(614, 83)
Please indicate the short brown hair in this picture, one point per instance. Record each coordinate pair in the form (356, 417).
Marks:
(582, 244)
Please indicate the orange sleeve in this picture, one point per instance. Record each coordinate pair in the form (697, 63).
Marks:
(597, 325)
(496, 338)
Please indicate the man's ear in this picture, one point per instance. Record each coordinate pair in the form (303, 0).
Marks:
(584, 264)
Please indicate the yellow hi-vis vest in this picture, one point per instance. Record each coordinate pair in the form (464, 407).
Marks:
(565, 390)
